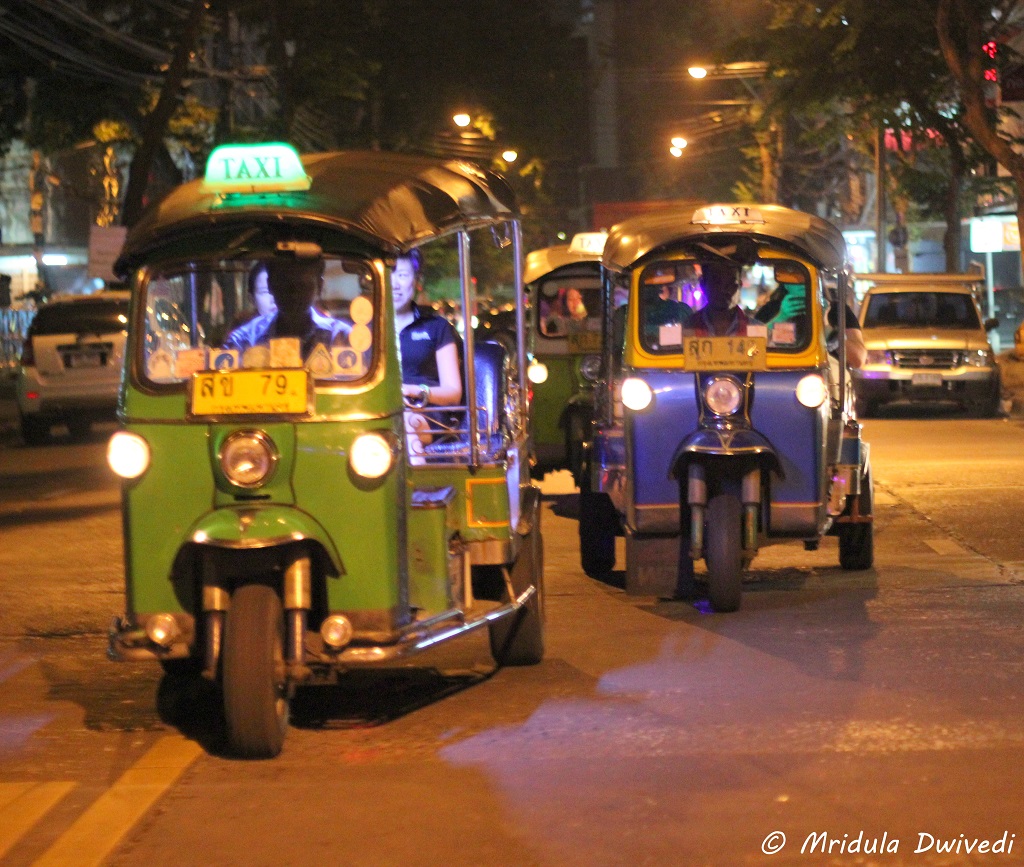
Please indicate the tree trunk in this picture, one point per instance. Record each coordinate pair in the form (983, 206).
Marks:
(961, 36)
(159, 117)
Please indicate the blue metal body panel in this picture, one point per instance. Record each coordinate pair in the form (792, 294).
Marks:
(796, 434)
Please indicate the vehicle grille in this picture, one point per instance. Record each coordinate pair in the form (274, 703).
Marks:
(935, 358)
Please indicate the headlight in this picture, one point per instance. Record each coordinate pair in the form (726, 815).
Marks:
(977, 358)
(723, 395)
(537, 372)
(636, 394)
(248, 458)
(128, 454)
(811, 391)
(371, 456)
(590, 367)
(878, 356)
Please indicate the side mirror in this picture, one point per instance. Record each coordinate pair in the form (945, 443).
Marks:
(992, 323)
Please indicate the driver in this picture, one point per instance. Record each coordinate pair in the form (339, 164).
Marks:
(294, 284)
(721, 316)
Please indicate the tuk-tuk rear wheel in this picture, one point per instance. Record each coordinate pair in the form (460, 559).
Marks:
(723, 551)
(518, 639)
(254, 684)
(857, 541)
(598, 523)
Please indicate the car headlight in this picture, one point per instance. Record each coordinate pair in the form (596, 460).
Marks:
(636, 394)
(371, 455)
(248, 458)
(723, 395)
(878, 356)
(537, 372)
(590, 367)
(977, 358)
(128, 454)
(811, 391)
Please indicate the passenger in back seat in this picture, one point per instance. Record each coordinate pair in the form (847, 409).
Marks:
(429, 349)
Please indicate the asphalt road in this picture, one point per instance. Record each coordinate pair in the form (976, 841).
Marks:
(857, 710)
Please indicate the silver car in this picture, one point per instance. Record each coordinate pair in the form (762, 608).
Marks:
(926, 342)
(71, 364)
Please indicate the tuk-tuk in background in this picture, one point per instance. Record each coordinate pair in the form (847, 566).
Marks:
(564, 288)
(709, 446)
(277, 533)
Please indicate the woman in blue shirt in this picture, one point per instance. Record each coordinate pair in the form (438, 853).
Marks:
(430, 356)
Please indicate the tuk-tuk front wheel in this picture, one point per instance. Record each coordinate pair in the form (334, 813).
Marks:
(723, 551)
(253, 669)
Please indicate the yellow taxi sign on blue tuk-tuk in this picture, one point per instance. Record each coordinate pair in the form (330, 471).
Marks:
(269, 167)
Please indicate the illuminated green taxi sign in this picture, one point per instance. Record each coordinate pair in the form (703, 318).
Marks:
(255, 168)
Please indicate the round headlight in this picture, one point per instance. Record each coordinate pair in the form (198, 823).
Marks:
(636, 394)
(248, 458)
(590, 367)
(537, 372)
(371, 456)
(723, 395)
(811, 391)
(128, 454)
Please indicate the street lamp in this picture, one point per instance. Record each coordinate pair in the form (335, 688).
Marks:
(461, 119)
(678, 143)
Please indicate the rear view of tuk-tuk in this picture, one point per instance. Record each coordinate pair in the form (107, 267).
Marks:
(276, 531)
(734, 429)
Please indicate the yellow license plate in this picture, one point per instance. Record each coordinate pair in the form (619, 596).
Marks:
(251, 392)
(585, 341)
(725, 353)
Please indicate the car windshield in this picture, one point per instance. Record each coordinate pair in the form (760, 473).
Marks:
(769, 299)
(317, 313)
(921, 310)
(93, 316)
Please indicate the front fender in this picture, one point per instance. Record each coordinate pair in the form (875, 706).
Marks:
(259, 526)
(712, 442)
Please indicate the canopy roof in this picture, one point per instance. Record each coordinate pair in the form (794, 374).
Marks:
(389, 202)
(638, 237)
(539, 263)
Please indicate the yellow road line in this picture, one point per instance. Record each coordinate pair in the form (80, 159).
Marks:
(100, 828)
(24, 804)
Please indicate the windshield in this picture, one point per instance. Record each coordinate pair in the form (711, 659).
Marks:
(94, 316)
(684, 298)
(921, 310)
(317, 313)
(569, 305)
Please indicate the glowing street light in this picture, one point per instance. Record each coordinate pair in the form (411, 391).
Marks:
(462, 119)
(510, 155)
(697, 72)
(678, 143)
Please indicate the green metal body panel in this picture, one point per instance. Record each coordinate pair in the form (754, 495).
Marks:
(551, 397)
(430, 534)
(160, 509)
(481, 503)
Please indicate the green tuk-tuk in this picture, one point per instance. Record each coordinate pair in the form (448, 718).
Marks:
(566, 307)
(277, 533)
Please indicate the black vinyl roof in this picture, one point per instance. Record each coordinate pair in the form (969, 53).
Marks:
(389, 202)
(633, 239)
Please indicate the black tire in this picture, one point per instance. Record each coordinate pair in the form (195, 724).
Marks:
(857, 541)
(79, 428)
(575, 434)
(863, 407)
(723, 551)
(598, 526)
(255, 689)
(518, 639)
(34, 431)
